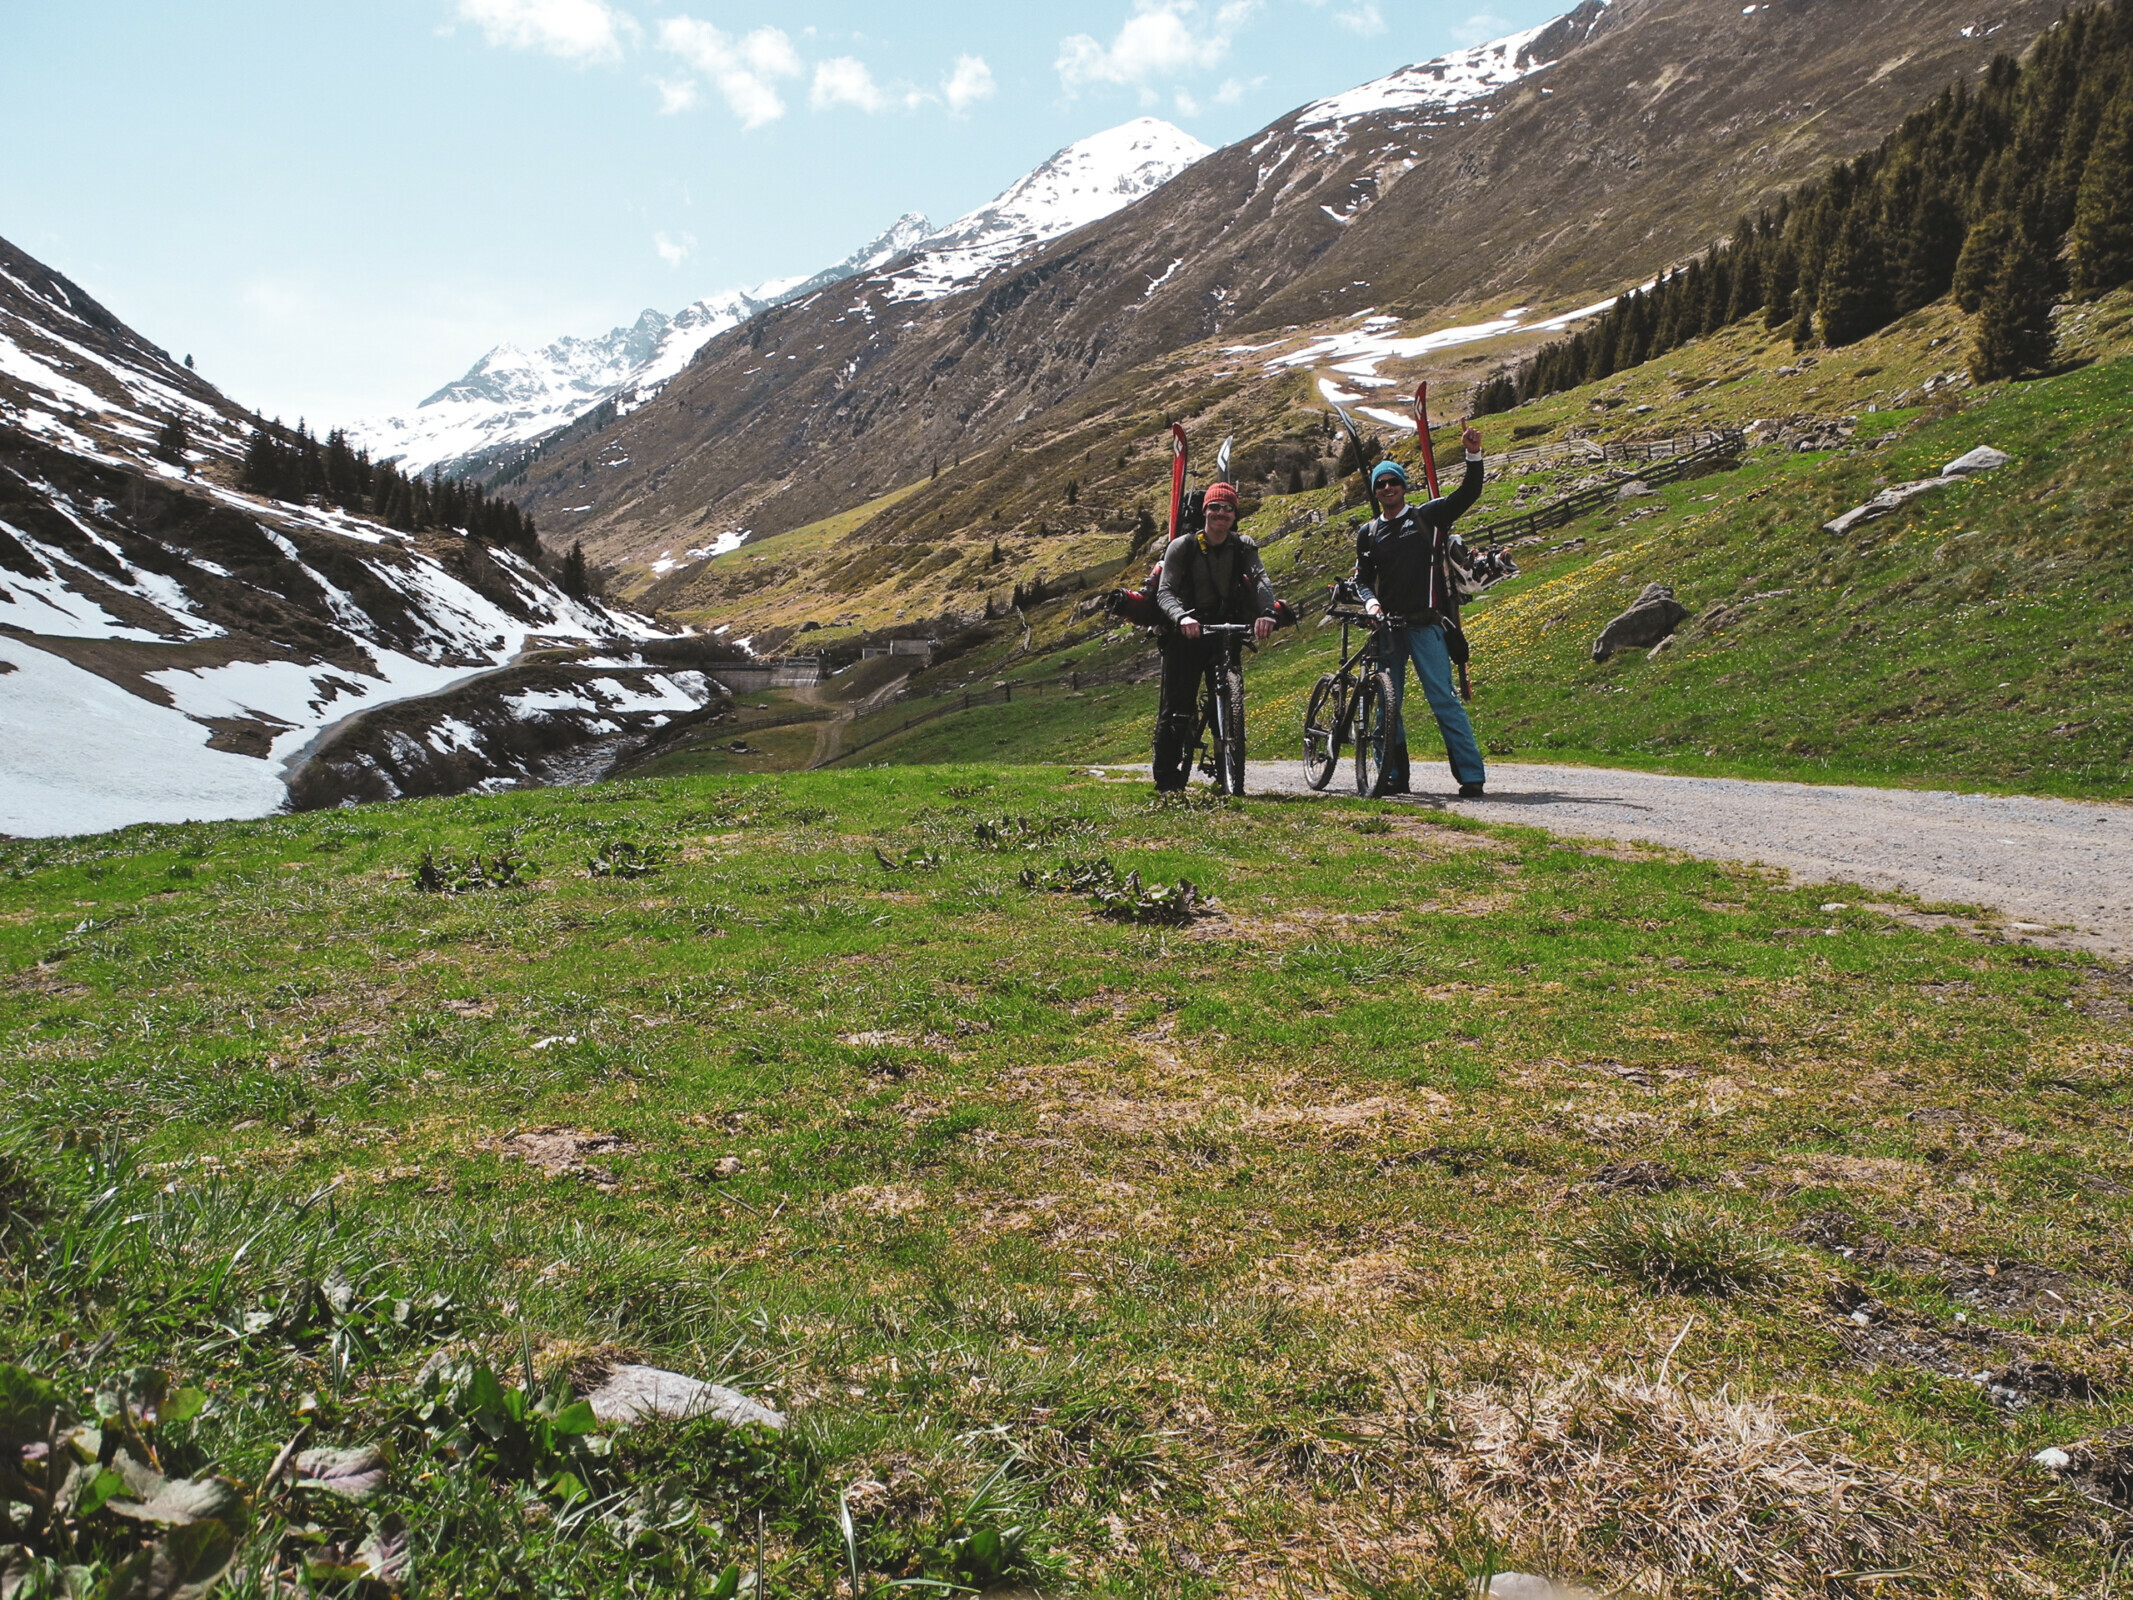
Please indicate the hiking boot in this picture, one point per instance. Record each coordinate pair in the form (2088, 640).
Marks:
(1470, 791)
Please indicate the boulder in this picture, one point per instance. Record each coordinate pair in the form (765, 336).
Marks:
(1983, 459)
(1635, 489)
(632, 1394)
(1883, 503)
(1655, 615)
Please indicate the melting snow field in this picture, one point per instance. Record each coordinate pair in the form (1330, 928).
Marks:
(1357, 353)
(1448, 81)
(82, 756)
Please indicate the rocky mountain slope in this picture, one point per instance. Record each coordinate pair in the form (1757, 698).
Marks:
(484, 423)
(172, 648)
(511, 397)
(1563, 163)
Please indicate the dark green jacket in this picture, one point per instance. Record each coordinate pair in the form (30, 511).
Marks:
(1225, 584)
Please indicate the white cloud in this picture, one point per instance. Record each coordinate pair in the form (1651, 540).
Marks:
(1154, 43)
(1366, 18)
(1235, 89)
(1482, 27)
(845, 81)
(1162, 39)
(576, 30)
(745, 71)
(970, 82)
(677, 94)
(674, 252)
(1187, 105)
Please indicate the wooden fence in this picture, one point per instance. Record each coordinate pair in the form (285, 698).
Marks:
(1533, 458)
(1720, 453)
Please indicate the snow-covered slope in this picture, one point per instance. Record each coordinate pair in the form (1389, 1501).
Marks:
(1450, 80)
(511, 396)
(1083, 183)
(170, 646)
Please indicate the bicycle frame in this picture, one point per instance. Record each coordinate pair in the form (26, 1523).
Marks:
(1376, 630)
(1207, 757)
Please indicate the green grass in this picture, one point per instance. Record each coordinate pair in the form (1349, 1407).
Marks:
(1978, 637)
(1105, 1258)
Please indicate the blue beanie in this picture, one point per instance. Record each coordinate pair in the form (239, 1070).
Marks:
(1388, 469)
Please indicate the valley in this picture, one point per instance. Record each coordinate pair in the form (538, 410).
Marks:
(595, 999)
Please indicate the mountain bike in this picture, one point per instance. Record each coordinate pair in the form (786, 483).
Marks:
(1218, 735)
(1353, 702)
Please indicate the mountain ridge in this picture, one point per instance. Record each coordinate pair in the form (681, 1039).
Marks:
(492, 417)
(1622, 137)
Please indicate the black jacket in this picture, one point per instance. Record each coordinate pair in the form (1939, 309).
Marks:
(1190, 589)
(1401, 564)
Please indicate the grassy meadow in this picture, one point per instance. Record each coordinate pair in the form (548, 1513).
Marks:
(1449, 1199)
(1977, 637)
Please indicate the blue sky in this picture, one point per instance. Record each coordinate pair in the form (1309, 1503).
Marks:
(338, 207)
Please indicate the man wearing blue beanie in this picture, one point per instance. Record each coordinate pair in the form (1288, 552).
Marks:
(1403, 566)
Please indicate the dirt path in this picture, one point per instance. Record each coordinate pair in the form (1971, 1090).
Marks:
(2061, 871)
(829, 737)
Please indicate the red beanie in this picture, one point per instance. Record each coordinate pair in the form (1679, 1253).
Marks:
(1221, 494)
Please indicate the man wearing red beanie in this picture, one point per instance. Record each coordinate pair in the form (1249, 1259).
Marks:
(1211, 576)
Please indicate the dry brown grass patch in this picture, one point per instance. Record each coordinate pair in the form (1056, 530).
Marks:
(563, 1152)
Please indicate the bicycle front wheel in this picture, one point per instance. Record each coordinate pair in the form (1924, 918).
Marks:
(1322, 730)
(1229, 752)
(1373, 733)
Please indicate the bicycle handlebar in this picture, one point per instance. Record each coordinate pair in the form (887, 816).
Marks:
(1226, 627)
(1384, 619)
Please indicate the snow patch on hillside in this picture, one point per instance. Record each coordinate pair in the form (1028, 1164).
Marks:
(82, 755)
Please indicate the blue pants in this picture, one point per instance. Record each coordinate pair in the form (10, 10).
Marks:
(1433, 665)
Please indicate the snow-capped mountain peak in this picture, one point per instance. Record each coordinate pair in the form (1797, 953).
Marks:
(1455, 79)
(512, 396)
(1084, 183)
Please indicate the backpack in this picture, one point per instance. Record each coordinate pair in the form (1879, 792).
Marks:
(1137, 608)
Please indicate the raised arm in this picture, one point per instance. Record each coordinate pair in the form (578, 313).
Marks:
(1461, 500)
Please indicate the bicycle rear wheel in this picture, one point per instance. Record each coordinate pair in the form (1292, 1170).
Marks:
(1206, 737)
(1322, 730)
(1373, 733)
(1229, 751)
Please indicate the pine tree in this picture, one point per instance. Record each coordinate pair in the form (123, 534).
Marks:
(171, 441)
(1930, 245)
(1783, 283)
(1496, 394)
(574, 580)
(2015, 336)
(1855, 299)
(1296, 480)
(1318, 476)
(2103, 217)
(1983, 252)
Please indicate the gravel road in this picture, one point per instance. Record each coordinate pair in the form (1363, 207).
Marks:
(2060, 871)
